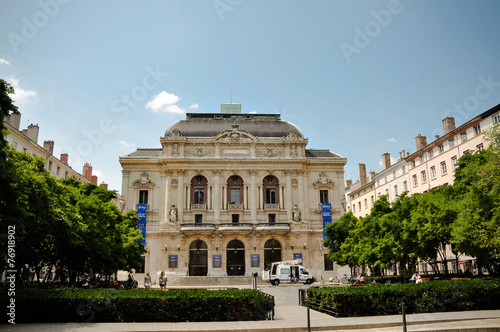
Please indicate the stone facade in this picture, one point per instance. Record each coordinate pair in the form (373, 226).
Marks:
(227, 194)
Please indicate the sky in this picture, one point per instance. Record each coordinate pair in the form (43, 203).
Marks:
(360, 78)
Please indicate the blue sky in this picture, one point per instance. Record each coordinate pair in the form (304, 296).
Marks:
(102, 78)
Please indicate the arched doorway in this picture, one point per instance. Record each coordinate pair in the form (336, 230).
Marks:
(235, 255)
(272, 252)
(198, 258)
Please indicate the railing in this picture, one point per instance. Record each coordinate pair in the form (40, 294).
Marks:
(198, 206)
(235, 206)
(236, 225)
(271, 206)
(274, 226)
(197, 226)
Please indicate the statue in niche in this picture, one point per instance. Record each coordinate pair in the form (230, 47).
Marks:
(296, 213)
(173, 213)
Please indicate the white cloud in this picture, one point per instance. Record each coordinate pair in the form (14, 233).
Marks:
(194, 105)
(165, 102)
(4, 62)
(392, 140)
(20, 94)
(127, 145)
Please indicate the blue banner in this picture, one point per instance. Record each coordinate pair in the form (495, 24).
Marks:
(217, 261)
(297, 256)
(141, 223)
(255, 259)
(327, 216)
(172, 261)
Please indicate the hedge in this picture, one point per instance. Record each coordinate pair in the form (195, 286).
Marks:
(99, 305)
(436, 296)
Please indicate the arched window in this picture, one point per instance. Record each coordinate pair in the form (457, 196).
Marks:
(271, 192)
(235, 190)
(199, 190)
(272, 252)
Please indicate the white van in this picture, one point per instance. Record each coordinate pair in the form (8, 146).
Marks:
(289, 271)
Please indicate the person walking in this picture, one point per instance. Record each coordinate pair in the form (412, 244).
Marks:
(147, 281)
(163, 281)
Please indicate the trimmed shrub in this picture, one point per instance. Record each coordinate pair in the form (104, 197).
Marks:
(100, 305)
(373, 300)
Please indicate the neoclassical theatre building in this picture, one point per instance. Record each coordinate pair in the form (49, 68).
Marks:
(229, 193)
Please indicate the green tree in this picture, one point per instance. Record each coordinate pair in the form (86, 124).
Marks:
(476, 231)
(336, 234)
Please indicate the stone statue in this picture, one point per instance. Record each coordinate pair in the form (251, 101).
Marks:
(173, 213)
(296, 213)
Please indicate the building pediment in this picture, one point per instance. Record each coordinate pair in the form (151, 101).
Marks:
(323, 181)
(235, 135)
(144, 181)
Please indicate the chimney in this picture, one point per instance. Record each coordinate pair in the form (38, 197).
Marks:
(104, 185)
(87, 171)
(362, 173)
(348, 183)
(421, 141)
(48, 146)
(94, 179)
(14, 120)
(448, 124)
(64, 158)
(371, 176)
(32, 132)
(386, 160)
(436, 137)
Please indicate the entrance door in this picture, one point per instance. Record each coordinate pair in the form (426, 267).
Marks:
(198, 258)
(235, 258)
(272, 253)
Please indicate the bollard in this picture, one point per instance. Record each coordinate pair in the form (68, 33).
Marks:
(254, 281)
(308, 321)
(404, 315)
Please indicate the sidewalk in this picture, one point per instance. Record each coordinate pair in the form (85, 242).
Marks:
(294, 318)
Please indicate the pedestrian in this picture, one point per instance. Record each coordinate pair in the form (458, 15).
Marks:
(130, 281)
(163, 281)
(147, 281)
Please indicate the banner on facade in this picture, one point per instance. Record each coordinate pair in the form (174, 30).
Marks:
(172, 261)
(141, 223)
(297, 256)
(255, 260)
(327, 216)
(217, 261)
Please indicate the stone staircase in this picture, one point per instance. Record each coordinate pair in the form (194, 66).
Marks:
(210, 281)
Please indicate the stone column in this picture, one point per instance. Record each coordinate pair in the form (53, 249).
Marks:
(224, 200)
(301, 189)
(289, 203)
(168, 193)
(163, 194)
(216, 195)
(253, 195)
(180, 195)
(305, 196)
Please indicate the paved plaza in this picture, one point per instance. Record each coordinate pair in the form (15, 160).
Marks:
(292, 317)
